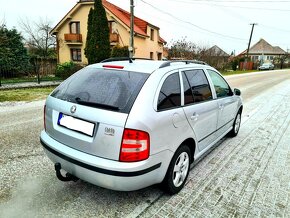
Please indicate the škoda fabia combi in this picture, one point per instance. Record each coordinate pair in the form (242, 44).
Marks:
(125, 125)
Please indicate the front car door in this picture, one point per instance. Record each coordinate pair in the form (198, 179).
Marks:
(227, 104)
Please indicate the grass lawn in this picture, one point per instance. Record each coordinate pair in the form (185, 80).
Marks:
(27, 94)
(29, 79)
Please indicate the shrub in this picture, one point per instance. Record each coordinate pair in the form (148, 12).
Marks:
(235, 64)
(118, 51)
(66, 69)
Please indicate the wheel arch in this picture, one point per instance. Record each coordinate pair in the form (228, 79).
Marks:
(241, 108)
(190, 142)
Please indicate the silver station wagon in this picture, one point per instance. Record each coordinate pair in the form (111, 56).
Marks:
(125, 125)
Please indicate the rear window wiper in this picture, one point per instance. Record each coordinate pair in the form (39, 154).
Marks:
(97, 105)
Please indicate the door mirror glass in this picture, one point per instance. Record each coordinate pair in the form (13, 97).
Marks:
(237, 92)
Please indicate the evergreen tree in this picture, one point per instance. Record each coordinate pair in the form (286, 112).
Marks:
(98, 41)
(13, 55)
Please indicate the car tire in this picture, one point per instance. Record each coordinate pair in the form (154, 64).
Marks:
(236, 125)
(178, 170)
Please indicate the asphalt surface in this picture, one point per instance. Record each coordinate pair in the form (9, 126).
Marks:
(244, 176)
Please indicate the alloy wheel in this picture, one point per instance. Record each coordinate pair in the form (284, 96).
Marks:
(180, 170)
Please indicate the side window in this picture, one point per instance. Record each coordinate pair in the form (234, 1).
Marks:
(198, 85)
(221, 86)
(169, 96)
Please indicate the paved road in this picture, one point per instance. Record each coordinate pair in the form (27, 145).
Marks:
(244, 176)
(255, 83)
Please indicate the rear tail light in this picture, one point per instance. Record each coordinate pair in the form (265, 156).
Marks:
(44, 124)
(135, 146)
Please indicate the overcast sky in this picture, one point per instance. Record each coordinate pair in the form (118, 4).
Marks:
(206, 22)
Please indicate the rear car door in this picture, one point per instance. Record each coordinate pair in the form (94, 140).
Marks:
(227, 104)
(170, 121)
(200, 109)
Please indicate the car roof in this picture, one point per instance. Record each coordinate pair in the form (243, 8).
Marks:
(144, 66)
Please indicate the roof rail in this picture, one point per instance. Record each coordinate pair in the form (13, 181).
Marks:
(123, 59)
(168, 63)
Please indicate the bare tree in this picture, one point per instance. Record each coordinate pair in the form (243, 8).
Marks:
(3, 22)
(182, 49)
(37, 37)
(281, 60)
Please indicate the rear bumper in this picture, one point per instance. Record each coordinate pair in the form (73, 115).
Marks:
(106, 173)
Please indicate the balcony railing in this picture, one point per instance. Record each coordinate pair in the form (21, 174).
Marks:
(114, 38)
(77, 38)
(72, 37)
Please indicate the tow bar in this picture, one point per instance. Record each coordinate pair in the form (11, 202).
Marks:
(67, 177)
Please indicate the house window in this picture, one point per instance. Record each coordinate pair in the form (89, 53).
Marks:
(111, 26)
(151, 55)
(152, 34)
(75, 27)
(76, 54)
(255, 58)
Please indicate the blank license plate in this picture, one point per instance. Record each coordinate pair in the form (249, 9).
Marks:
(76, 124)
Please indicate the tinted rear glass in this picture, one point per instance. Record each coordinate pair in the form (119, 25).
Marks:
(169, 96)
(101, 87)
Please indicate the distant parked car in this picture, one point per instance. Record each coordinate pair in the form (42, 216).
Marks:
(125, 125)
(266, 66)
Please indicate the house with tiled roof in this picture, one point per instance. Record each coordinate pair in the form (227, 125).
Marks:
(263, 51)
(71, 33)
(216, 57)
(216, 51)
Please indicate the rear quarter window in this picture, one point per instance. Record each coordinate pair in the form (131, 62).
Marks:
(100, 87)
(170, 94)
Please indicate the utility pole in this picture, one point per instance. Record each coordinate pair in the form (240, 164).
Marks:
(253, 25)
(131, 46)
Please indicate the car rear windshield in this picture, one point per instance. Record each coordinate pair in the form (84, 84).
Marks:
(102, 88)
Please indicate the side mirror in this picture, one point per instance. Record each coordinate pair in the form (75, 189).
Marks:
(237, 92)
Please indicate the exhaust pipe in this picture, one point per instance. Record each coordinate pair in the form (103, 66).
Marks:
(67, 177)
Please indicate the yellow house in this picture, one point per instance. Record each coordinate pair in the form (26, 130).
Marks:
(71, 33)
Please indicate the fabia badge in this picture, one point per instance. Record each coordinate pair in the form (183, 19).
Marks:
(73, 109)
(109, 131)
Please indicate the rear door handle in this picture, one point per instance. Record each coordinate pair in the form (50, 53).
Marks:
(221, 106)
(194, 116)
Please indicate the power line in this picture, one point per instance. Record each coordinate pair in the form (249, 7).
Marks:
(235, 14)
(192, 24)
(249, 1)
(207, 2)
(274, 28)
(239, 16)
